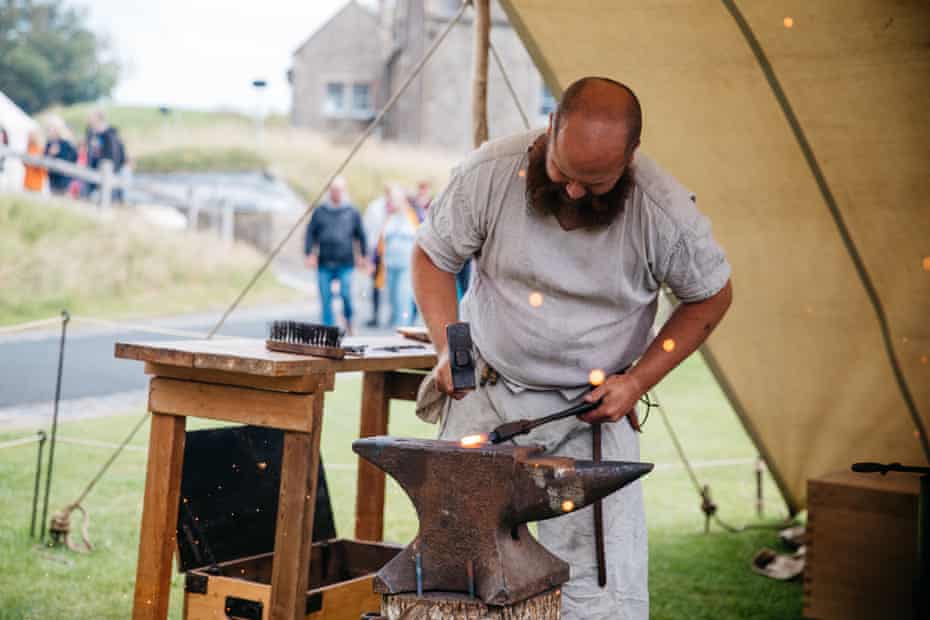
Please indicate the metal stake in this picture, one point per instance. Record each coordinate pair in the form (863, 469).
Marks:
(419, 561)
(470, 568)
(759, 502)
(51, 451)
(35, 491)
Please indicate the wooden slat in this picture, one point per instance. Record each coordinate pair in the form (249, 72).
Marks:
(306, 552)
(369, 497)
(249, 356)
(232, 404)
(291, 556)
(159, 517)
(303, 384)
(213, 603)
(403, 385)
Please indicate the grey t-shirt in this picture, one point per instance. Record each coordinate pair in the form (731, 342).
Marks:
(547, 306)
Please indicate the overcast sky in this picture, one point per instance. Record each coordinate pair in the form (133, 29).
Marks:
(205, 53)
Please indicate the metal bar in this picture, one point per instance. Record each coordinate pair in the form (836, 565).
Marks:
(598, 511)
(35, 491)
(759, 500)
(51, 450)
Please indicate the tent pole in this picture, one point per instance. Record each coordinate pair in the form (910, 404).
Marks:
(479, 102)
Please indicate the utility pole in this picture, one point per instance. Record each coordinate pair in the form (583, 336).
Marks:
(479, 105)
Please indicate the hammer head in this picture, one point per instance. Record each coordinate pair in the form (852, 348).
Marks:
(473, 504)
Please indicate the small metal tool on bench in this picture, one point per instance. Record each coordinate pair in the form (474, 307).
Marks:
(305, 339)
(461, 360)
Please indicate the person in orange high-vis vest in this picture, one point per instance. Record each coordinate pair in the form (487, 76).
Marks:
(34, 179)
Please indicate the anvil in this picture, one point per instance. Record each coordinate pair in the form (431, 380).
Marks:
(473, 504)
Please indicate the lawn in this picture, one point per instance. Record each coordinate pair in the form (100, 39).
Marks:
(692, 575)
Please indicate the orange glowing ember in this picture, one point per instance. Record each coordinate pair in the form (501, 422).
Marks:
(521, 173)
(262, 465)
(596, 377)
(669, 345)
(469, 441)
(926, 263)
(536, 299)
(789, 22)
(924, 360)
(568, 505)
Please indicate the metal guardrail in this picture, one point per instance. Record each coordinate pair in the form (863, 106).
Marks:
(108, 180)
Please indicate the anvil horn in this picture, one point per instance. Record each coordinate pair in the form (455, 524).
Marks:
(473, 503)
(556, 485)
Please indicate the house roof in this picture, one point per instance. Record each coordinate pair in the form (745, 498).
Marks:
(345, 11)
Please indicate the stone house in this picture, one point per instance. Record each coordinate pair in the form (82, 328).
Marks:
(348, 69)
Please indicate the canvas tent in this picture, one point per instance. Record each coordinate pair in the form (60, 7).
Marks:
(795, 123)
(18, 125)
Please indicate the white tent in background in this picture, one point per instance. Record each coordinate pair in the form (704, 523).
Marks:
(17, 124)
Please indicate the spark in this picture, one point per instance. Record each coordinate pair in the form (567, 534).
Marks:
(536, 299)
(924, 360)
(926, 263)
(521, 173)
(596, 377)
(789, 22)
(568, 505)
(668, 344)
(470, 441)
(262, 465)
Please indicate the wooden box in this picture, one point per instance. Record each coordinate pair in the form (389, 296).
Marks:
(862, 546)
(226, 530)
(341, 572)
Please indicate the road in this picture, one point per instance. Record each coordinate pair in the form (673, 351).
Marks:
(29, 360)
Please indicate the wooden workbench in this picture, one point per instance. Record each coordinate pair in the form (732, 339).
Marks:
(238, 380)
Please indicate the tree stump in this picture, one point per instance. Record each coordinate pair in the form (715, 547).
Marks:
(453, 606)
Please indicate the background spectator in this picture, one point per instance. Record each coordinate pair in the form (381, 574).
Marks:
(34, 179)
(373, 220)
(397, 239)
(334, 235)
(104, 142)
(60, 145)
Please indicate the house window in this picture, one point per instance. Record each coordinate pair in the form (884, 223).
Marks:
(361, 101)
(547, 102)
(334, 104)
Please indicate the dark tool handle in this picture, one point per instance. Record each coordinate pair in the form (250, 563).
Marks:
(598, 511)
(567, 413)
(461, 360)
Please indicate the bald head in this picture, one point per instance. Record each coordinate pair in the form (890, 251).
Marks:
(602, 104)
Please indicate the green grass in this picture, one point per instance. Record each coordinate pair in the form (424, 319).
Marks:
(692, 575)
(201, 160)
(56, 254)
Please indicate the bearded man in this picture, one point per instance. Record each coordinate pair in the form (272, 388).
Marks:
(573, 232)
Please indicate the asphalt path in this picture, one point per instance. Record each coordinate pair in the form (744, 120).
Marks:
(29, 360)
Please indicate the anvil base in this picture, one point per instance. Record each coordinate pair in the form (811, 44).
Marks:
(453, 606)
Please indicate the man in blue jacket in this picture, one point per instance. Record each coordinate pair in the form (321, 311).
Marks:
(334, 244)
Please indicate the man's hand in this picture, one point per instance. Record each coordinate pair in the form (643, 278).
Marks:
(618, 395)
(444, 378)
(310, 261)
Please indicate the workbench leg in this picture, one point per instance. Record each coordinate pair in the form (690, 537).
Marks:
(290, 569)
(159, 517)
(369, 496)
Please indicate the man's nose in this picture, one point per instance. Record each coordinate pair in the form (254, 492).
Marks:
(575, 190)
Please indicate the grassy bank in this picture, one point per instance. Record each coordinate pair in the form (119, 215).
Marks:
(57, 254)
(692, 575)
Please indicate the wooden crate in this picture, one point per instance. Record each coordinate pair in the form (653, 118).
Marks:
(862, 546)
(341, 571)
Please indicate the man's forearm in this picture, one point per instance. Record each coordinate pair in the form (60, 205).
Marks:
(687, 328)
(434, 290)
